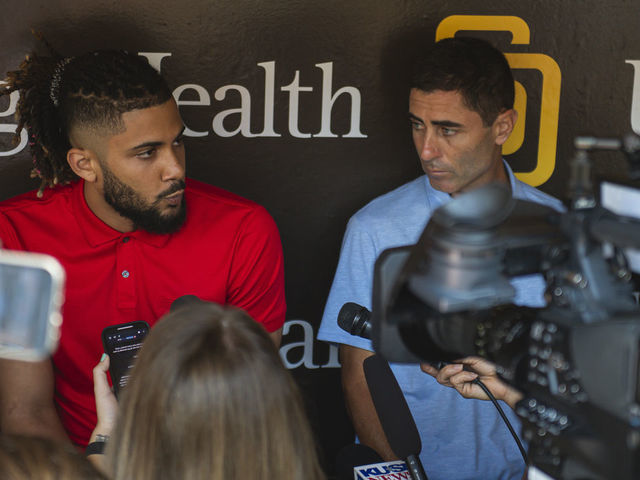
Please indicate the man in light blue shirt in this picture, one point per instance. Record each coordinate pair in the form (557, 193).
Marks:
(461, 113)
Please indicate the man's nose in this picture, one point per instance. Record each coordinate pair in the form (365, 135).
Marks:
(429, 148)
(173, 166)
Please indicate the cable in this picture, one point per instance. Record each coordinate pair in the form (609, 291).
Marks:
(504, 417)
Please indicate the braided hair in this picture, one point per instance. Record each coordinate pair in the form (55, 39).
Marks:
(89, 91)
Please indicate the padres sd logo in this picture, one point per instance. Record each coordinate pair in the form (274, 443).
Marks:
(551, 79)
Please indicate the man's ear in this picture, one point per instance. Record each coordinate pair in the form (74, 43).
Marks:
(503, 125)
(83, 163)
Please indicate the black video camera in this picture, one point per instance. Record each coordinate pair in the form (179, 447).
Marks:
(577, 360)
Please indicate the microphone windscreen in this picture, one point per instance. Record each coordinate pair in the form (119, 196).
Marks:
(347, 315)
(352, 456)
(391, 406)
(183, 301)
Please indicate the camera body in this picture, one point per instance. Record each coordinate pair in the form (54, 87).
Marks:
(576, 360)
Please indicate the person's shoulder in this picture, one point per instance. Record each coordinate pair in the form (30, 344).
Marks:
(397, 203)
(527, 192)
(213, 207)
(29, 201)
(211, 196)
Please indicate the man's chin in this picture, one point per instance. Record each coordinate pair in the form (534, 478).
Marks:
(443, 186)
(170, 213)
(168, 221)
(174, 222)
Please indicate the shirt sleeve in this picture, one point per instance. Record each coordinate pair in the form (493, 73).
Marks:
(353, 282)
(256, 279)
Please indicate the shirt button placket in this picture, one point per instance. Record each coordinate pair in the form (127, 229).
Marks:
(125, 267)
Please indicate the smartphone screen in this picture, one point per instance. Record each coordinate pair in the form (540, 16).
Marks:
(122, 342)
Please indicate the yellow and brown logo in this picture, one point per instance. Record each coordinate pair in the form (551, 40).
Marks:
(550, 95)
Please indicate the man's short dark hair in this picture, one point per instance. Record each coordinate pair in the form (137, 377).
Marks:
(471, 66)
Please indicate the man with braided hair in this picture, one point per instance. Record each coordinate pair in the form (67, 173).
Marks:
(114, 207)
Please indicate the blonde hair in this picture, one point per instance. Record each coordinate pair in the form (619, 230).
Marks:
(210, 398)
(31, 458)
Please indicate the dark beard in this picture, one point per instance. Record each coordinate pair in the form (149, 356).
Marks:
(126, 201)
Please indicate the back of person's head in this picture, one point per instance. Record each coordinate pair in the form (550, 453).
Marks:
(472, 67)
(210, 398)
(90, 92)
(31, 458)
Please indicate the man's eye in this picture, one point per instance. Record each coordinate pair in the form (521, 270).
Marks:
(147, 153)
(417, 126)
(447, 132)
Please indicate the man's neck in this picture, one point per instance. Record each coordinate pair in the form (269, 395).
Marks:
(500, 175)
(105, 212)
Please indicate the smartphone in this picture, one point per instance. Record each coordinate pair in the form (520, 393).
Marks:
(31, 296)
(122, 342)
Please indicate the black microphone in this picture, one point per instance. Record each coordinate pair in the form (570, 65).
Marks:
(395, 417)
(352, 456)
(355, 319)
(184, 301)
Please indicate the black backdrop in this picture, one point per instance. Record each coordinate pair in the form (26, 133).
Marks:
(348, 62)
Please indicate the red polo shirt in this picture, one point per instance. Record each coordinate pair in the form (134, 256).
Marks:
(227, 251)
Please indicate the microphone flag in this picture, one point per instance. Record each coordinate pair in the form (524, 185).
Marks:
(396, 470)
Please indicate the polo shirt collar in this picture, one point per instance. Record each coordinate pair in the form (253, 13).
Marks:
(440, 197)
(96, 232)
(516, 187)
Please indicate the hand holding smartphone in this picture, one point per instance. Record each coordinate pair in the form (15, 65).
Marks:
(122, 342)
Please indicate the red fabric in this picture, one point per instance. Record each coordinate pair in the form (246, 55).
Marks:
(228, 251)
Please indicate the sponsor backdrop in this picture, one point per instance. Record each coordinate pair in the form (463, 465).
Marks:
(302, 107)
